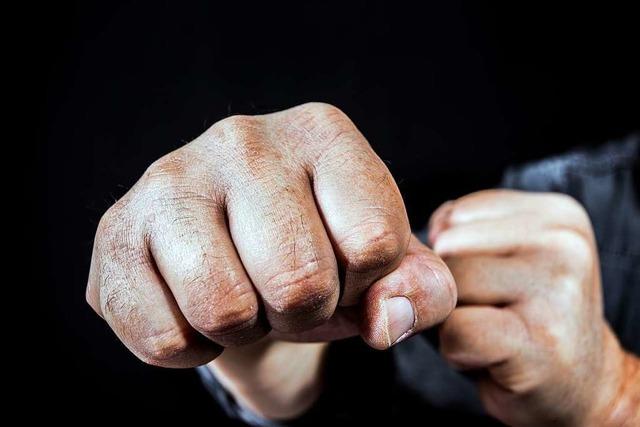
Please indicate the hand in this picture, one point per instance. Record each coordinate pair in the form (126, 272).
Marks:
(246, 229)
(530, 309)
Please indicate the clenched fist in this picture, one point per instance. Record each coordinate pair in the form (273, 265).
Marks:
(530, 317)
(263, 222)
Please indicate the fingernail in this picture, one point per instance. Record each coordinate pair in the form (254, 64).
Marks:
(400, 319)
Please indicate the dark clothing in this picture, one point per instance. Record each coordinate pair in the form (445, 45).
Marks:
(412, 381)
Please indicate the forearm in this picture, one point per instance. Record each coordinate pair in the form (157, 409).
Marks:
(275, 379)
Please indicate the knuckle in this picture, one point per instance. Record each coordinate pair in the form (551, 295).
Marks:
(450, 337)
(111, 219)
(241, 134)
(161, 348)
(163, 178)
(373, 247)
(575, 211)
(169, 192)
(118, 302)
(243, 145)
(225, 317)
(162, 185)
(172, 164)
(569, 292)
(572, 249)
(340, 131)
(457, 331)
(308, 289)
(440, 286)
(114, 236)
(323, 109)
(119, 237)
(527, 382)
(449, 293)
(237, 124)
(568, 202)
(328, 125)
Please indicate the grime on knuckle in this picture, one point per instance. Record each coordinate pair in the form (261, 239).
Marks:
(225, 312)
(302, 290)
(373, 247)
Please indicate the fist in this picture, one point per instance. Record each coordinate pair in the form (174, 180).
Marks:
(530, 316)
(264, 223)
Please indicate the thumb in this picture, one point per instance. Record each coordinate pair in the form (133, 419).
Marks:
(419, 294)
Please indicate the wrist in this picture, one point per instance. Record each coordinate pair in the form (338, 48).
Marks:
(619, 404)
(274, 379)
(625, 407)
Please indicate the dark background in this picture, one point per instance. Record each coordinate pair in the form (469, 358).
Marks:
(448, 94)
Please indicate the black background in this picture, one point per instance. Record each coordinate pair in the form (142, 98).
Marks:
(448, 94)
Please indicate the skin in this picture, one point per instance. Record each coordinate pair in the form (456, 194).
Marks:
(529, 318)
(264, 230)
(279, 377)
(267, 237)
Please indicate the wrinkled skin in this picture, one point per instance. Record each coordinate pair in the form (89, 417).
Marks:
(265, 238)
(529, 314)
(286, 222)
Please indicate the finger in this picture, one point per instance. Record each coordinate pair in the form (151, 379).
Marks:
(195, 254)
(285, 249)
(343, 324)
(516, 235)
(492, 280)
(479, 206)
(439, 220)
(359, 201)
(478, 337)
(507, 405)
(279, 236)
(486, 205)
(492, 205)
(138, 306)
(502, 236)
(419, 294)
